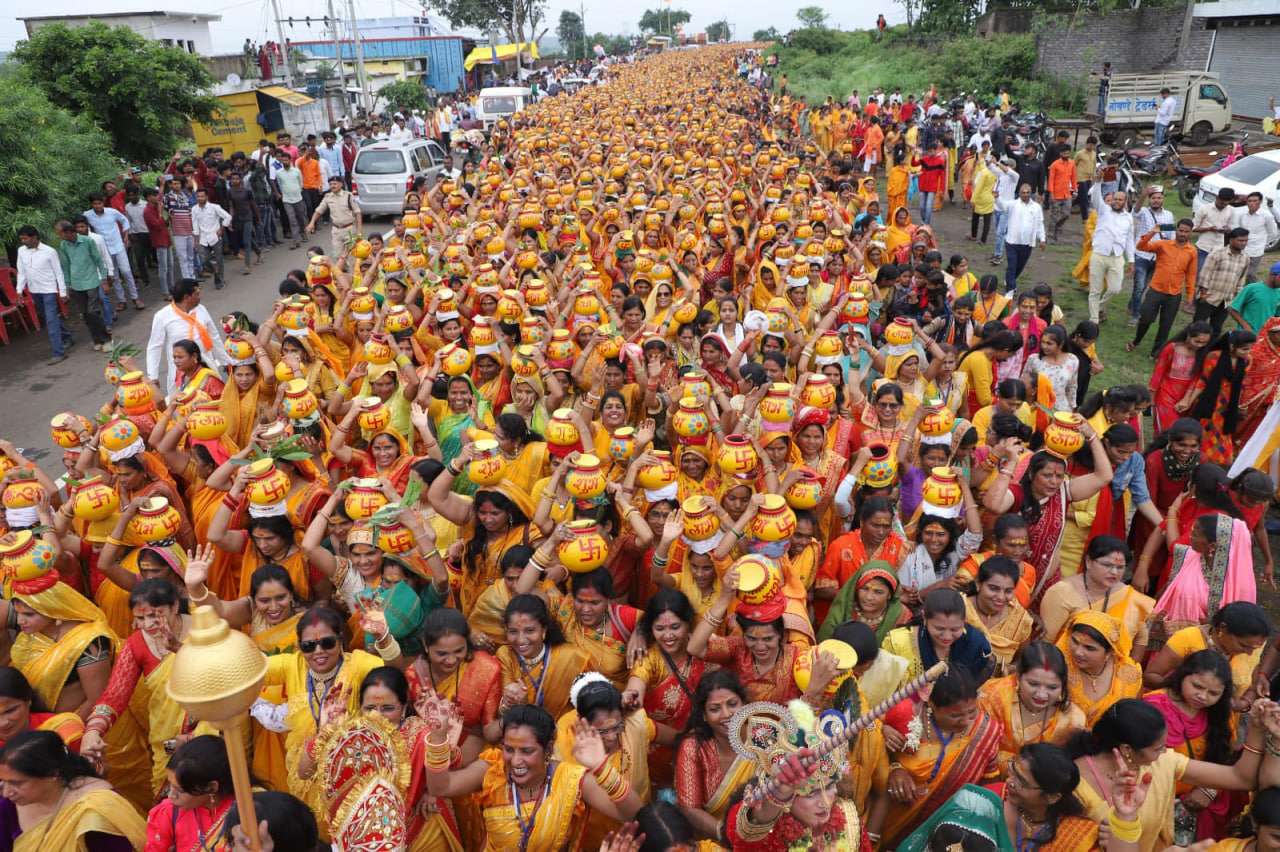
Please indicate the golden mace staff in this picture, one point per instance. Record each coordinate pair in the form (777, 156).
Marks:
(755, 794)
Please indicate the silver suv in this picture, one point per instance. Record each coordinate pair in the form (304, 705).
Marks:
(384, 172)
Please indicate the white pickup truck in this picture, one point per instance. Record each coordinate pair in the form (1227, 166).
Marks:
(1204, 108)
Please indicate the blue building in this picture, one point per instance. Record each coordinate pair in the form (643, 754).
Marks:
(407, 48)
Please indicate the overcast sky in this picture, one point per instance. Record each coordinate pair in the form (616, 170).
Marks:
(243, 19)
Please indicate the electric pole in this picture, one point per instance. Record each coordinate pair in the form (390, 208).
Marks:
(284, 45)
(362, 79)
(582, 13)
(335, 23)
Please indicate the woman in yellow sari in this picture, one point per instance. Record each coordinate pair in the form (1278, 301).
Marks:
(626, 738)
(305, 679)
(527, 457)
(64, 649)
(1239, 631)
(1100, 586)
(1032, 704)
(899, 233)
(330, 324)
(249, 396)
(1080, 271)
(996, 612)
(1099, 669)
(42, 777)
(708, 771)
(529, 401)
(529, 800)
(270, 613)
(538, 665)
(958, 745)
(494, 521)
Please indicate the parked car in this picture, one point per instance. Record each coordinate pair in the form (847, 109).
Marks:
(1255, 173)
(384, 172)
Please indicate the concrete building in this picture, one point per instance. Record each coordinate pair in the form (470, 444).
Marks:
(187, 30)
(435, 60)
(1243, 51)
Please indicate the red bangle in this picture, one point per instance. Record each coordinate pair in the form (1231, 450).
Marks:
(231, 502)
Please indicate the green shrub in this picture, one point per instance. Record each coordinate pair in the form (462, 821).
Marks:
(820, 41)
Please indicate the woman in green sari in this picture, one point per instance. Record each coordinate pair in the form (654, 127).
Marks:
(871, 597)
(462, 409)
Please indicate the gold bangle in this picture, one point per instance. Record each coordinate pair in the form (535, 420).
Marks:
(435, 551)
(1126, 831)
(438, 756)
(207, 594)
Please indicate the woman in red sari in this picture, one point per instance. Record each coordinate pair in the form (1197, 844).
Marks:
(1175, 372)
(1215, 400)
(664, 680)
(1042, 497)
(1261, 378)
(455, 671)
(708, 771)
(1169, 464)
(190, 817)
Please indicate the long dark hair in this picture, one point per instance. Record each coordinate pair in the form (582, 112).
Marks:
(1030, 508)
(673, 601)
(200, 763)
(1225, 370)
(14, 684)
(536, 608)
(43, 754)
(1053, 770)
(698, 727)
(480, 541)
(1130, 721)
(1212, 487)
(1218, 745)
(1042, 655)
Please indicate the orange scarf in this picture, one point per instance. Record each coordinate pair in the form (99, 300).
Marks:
(195, 327)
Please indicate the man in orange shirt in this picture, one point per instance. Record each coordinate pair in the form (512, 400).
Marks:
(1062, 187)
(871, 146)
(312, 188)
(1174, 277)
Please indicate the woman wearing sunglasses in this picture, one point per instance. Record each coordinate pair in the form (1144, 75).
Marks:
(306, 678)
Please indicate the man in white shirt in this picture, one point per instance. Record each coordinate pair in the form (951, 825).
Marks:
(1213, 222)
(183, 319)
(40, 274)
(208, 221)
(1262, 228)
(1006, 193)
(1164, 115)
(139, 237)
(1113, 247)
(400, 133)
(1025, 228)
(1152, 217)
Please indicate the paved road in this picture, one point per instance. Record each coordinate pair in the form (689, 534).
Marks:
(31, 393)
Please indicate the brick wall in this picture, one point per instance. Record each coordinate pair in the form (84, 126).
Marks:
(1145, 39)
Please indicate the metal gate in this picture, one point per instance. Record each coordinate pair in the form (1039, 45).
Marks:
(1244, 57)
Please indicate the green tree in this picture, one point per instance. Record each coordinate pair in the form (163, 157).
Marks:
(663, 21)
(138, 90)
(50, 159)
(718, 30)
(770, 34)
(404, 95)
(812, 17)
(571, 33)
(518, 20)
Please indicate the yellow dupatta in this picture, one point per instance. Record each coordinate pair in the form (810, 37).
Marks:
(290, 672)
(1007, 636)
(560, 818)
(241, 410)
(486, 614)
(268, 746)
(631, 759)
(607, 655)
(1126, 675)
(47, 664)
(999, 697)
(102, 811)
(552, 675)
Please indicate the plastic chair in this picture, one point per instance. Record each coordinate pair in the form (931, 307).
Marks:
(10, 305)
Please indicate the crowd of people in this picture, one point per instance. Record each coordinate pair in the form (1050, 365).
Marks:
(594, 505)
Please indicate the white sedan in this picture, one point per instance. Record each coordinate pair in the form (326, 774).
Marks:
(1255, 173)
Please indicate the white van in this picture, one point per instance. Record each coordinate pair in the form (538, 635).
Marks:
(499, 102)
(385, 171)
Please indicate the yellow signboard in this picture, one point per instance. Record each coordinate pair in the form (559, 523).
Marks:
(235, 128)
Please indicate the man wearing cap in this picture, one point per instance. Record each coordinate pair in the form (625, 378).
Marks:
(1212, 222)
(1221, 279)
(344, 212)
(1262, 228)
(1258, 302)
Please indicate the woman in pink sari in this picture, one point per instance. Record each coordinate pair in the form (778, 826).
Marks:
(1215, 569)
(1030, 328)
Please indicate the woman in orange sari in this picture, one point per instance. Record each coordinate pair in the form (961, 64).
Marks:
(248, 397)
(1033, 704)
(958, 744)
(453, 670)
(265, 539)
(874, 539)
(192, 373)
